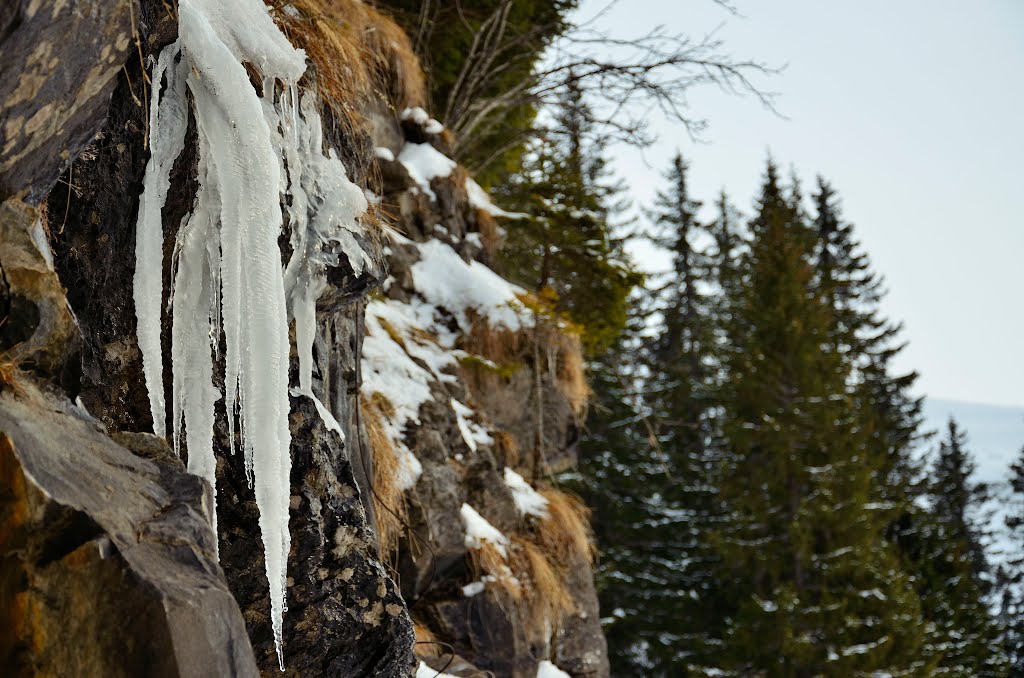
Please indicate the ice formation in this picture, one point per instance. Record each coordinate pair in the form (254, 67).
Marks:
(256, 152)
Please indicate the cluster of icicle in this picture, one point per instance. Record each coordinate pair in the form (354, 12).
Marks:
(256, 152)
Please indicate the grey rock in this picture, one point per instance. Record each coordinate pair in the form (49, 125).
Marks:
(61, 61)
(107, 561)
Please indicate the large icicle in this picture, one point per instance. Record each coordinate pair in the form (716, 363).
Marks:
(168, 118)
(235, 139)
(254, 154)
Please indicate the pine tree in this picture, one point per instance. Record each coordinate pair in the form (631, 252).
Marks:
(568, 249)
(1011, 576)
(817, 590)
(957, 591)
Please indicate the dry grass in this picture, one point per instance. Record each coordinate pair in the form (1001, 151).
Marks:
(427, 644)
(545, 597)
(490, 234)
(565, 531)
(506, 447)
(571, 373)
(388, 500)
(11, 375)
(487, 561)
(561, 353)
(358, 54)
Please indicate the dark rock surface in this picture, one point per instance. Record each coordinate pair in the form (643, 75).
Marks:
(59, 67)
(107, 559)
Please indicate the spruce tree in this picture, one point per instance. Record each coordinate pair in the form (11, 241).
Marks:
(956, 585)
(816, 588)
(1011, 576)
(568, 248)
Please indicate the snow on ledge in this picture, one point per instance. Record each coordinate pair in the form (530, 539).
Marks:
(421, 118)
(529, 501)
(548, 670)
(479, 199)
(479, 531)
(424, 163)
(444, 279)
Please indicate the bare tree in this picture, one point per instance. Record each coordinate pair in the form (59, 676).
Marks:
(627, 78)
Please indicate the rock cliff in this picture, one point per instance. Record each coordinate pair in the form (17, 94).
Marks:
(429, 532)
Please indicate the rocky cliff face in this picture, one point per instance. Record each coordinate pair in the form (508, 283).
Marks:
(456, 392)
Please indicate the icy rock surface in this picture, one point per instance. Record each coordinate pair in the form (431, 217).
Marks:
(255, 154)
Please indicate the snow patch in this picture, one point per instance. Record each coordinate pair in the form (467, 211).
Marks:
(473, 433)
(424, 162)
(444, 279)
(548, 670)
(424, 671)
(479, 531)
(421, 118)
(479, 199)
(529, 501)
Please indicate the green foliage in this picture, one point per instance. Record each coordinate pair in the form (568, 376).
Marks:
(817, 588)
(1011, 576)
(443, 34)
(954, 576)
(565, 248)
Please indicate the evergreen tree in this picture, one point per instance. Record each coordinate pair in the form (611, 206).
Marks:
(1011, 576)
(816, 588)
(567, 248)
(888, 409)
(956, 588)
(459, 44)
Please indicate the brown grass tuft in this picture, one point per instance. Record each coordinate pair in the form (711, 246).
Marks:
(358, 54)
(561, 354)
(571, 373)
(565, 531)
(11, 375)
(545, 597)
(490, 235)
(487, 561)
(506, 447)
(388, 500)
(427, 644)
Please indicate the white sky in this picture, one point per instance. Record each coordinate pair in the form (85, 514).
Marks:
(914, 109)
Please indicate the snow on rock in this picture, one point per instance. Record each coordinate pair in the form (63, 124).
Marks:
(421, 118)
(444, 279)
(548, 670)
(424, 671)
(479, 531)
(255, 153)
(529, 501)
(473, 433)
(479, 199)
(384, 153)
(424, 162)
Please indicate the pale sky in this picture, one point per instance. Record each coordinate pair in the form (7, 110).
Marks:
(914, 109)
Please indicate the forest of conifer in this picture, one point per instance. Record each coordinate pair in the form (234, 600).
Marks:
(767, 498)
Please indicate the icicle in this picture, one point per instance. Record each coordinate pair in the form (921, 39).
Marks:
(168, 117)
(237, 142)
(255, 154)
(194, 309)
(325, 210)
